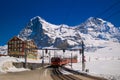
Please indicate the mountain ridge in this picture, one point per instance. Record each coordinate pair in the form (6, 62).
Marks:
(46, 34)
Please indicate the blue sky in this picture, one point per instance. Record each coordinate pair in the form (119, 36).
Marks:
(15, 14)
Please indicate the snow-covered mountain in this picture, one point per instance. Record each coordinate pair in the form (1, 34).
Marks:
(3, 50)
(94, 32)
(46, 34)
(99, 29)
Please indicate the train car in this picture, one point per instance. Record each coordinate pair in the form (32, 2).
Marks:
(56, 61)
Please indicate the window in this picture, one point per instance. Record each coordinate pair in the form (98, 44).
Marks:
(20, 41)
(20, 45)
(20, 49)
(9, 42)
(12, 42)
(15, 45)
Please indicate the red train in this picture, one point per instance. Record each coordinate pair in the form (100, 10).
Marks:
(56, 61)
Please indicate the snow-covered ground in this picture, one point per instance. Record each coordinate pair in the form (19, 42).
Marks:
(108, 69)
(6, 63)
(7, 66)
(104, 62)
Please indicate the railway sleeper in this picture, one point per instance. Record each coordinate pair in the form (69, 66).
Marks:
(73, 77)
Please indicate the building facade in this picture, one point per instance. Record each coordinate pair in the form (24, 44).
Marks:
(17, 46)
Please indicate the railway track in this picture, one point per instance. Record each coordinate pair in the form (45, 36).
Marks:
(83, 76)
(57, 75)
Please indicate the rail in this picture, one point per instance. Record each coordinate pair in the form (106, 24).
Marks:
(83, 74)
(57, 75)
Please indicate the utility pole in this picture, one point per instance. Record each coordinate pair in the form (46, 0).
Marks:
(49, 57)
(54, 53)
(63, 53)
(83, 57)
(42, 58)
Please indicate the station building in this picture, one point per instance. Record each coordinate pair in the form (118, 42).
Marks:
(17, 48)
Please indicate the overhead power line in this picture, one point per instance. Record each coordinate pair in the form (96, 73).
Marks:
(113, 14)
(108, 9)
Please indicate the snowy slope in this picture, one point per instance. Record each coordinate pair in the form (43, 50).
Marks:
(104, 62)
(6, 64)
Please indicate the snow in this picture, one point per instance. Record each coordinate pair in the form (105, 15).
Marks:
(105, 62)
(7, 66)
(14, 69)
(107, 69)
(6, 63)
(92, 30)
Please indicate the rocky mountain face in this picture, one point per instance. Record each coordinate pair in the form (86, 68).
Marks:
(34, 30)
(62, 36)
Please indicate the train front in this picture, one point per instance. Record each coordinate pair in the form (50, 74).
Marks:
(55, 61)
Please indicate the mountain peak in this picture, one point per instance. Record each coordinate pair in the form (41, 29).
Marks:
(94, 19)
(37, 18)
(98, 23)
(90, 18)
